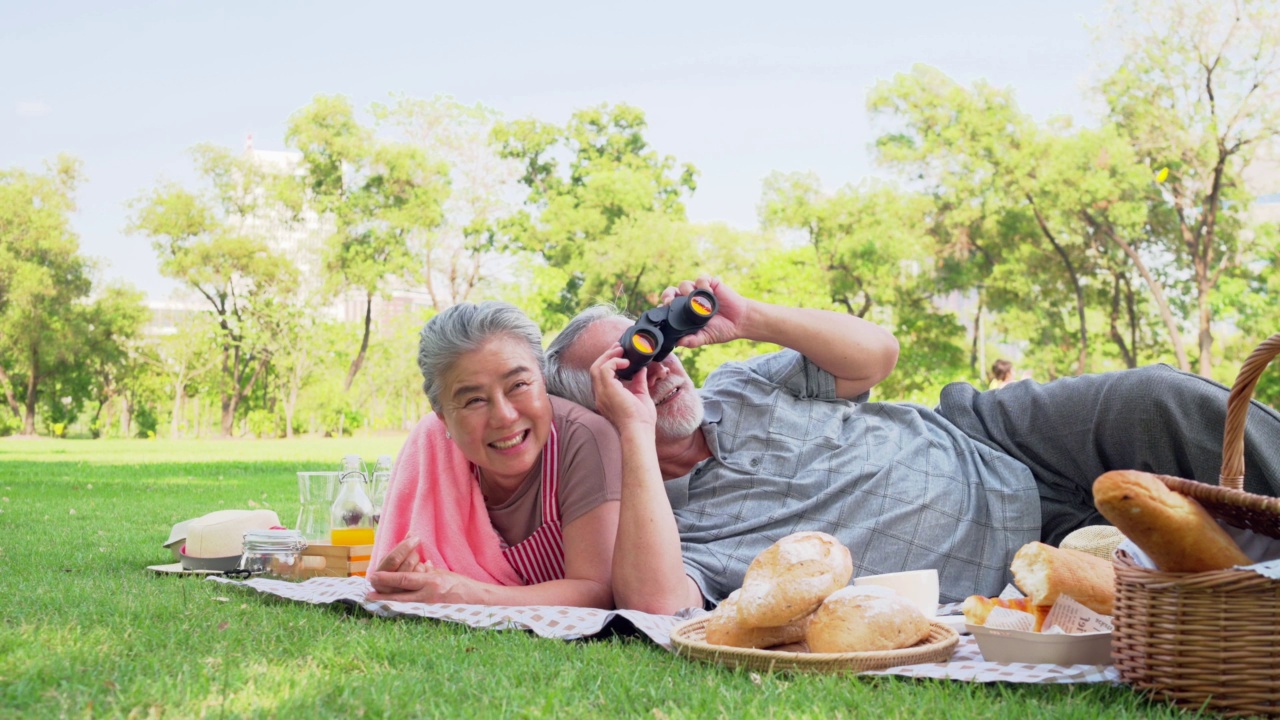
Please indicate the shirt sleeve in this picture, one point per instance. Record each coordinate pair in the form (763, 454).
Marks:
(789, 370)
(591, 465)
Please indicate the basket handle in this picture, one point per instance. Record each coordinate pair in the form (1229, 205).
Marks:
(1232, 475)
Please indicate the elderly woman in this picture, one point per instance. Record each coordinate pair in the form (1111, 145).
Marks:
(502, 495)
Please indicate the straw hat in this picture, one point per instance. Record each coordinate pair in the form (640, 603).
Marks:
(214, 542)
(1097, 540)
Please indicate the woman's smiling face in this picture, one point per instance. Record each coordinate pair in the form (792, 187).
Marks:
(495, 405)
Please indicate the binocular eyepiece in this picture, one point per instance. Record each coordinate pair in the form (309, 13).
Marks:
(655, 334)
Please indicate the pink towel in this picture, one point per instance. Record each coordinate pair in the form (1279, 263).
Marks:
(435, 497)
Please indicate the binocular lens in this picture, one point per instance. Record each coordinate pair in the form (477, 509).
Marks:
(644, 343)
(701, 305)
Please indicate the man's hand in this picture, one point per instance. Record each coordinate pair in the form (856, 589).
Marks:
(857, 353)
(621, 403)
(732, 311)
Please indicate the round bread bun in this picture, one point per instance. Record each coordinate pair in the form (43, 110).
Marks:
(854, 620)
(791, 578)
(725, 628)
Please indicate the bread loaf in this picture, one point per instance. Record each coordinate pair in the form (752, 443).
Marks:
(724, 627)
(1174, 530)
(857, 619)
(976, 608)
(1045, 573)
(791, 577)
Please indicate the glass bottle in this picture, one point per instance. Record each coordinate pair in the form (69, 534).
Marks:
(351, 516)
(273, 554)
(381, 483)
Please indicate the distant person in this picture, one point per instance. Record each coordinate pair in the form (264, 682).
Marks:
(1001, 374)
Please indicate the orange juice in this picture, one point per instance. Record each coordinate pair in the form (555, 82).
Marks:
(352, 536)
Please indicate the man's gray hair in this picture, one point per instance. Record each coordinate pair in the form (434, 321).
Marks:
(574, 383)
(463, 328)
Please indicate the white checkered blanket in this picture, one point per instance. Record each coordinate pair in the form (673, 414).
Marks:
(573, 623)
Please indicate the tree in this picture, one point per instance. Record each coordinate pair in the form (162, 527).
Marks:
(874, 259)
(484, 189)
(1197, 92)
(382, 196)
(603, 209)
(205, 241)
(981, 160)
(181, 360)
(43, 277)
(110, 348)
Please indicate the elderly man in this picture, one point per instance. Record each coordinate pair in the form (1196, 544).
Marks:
(789, 441)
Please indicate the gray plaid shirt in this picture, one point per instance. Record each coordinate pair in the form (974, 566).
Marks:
(898, 484)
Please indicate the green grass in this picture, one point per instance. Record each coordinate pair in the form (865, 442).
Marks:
(87, 632)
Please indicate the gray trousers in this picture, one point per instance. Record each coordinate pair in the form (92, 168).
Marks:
(1070, 431)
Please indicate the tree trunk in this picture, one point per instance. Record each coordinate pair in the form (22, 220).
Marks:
(1157, 291)
(1206, 331)
(8, 394)
(364, 343)
(1083, 363)
(126, 418)
(290, 406)
(33, 382)
(178, 392)
(228, 414)
(1116, 335)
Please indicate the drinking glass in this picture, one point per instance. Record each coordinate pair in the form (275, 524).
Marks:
(316, 491)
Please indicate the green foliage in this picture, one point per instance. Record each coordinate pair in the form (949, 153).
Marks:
(602, 207)
(265, 424)
(43, 279)
(209, 243)
(147, 422)
(383, 198)
(1197, 91)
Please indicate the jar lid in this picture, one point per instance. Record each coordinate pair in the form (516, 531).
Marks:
(274, 539)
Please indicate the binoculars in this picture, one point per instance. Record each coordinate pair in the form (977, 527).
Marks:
(655, 333)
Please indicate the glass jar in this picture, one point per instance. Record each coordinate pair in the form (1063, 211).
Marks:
(273, 554)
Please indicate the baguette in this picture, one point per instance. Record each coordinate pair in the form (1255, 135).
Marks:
(976, 608)
(1045, 573)
(1174, 530)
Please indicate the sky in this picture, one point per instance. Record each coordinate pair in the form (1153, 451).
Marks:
(737, 89)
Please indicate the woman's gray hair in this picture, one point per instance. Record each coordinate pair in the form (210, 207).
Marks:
(574, 383)
(465, 327)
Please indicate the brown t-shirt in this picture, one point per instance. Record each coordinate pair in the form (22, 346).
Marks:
(590, 474)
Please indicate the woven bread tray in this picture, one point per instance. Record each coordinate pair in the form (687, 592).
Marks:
(689, 639)
(1208, 640)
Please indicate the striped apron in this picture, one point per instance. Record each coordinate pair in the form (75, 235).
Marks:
(540, 557)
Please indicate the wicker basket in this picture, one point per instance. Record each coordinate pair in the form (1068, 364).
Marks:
(690, 640)
(1208, 640)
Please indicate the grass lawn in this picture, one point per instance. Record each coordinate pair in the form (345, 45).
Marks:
(88, 632)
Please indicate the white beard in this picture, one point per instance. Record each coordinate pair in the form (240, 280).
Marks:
(684, 421)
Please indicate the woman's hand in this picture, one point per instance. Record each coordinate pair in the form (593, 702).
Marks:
(403, 557)
(621, 403)
(428, 584)
(402, 577)
(732, 312)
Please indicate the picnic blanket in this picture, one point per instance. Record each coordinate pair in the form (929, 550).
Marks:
(573, 623)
